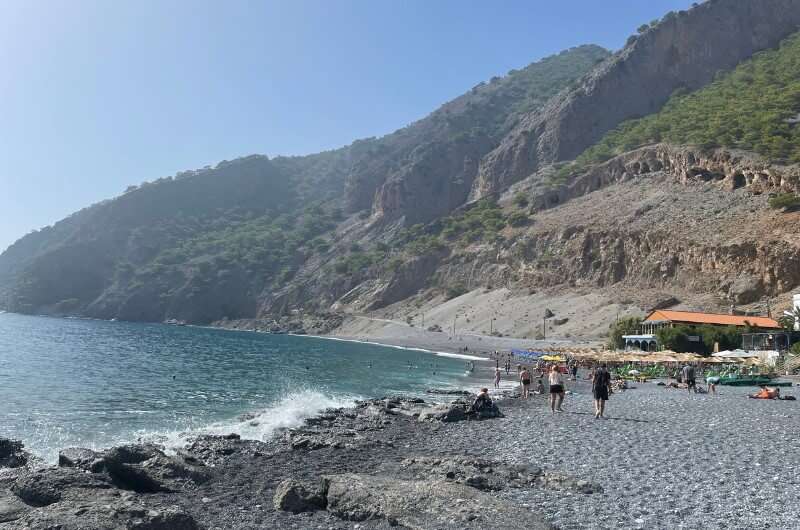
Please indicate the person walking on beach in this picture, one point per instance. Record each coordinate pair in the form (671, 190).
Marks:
(556, 389)
(497, 377)
(525, 379)
(601, 384)
(689, 378)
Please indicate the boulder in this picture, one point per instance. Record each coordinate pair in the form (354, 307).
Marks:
(424, 504)
(42, 487)
(143, 468)
(11, 507)
(297, 497)
(79, 457)
(158, 473)
(13, 454)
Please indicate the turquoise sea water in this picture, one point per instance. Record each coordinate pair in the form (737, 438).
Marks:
(95, 384)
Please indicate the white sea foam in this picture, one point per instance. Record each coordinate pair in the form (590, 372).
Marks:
(409, 348)
(291, 411)
(460, 356)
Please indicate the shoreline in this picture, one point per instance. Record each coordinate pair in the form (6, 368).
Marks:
(364, 464)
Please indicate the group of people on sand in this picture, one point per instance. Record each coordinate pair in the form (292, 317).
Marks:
(600, 379)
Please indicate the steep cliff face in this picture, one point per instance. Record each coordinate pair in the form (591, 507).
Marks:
(427, 169)
(684, 51)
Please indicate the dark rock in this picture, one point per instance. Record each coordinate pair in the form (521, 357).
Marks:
(79, 457)
(46, 486)
(13, 454)
(106, 512)
(297, 497)
(158, 473)
(11, 507)
(146, 469)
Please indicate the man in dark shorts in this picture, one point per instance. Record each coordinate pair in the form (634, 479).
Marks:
(601, 384)
(689, 378)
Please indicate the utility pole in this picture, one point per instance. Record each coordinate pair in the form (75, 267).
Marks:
(491, 325)
(454, 324)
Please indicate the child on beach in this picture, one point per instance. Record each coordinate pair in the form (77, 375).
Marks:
(497, 377)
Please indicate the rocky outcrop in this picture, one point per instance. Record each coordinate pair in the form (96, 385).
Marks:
(435, 184)
(423, 504)
(684, 51)
(729, 169)
(297, 497)
(739, 272)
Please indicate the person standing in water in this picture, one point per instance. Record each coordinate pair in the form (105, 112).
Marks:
(497, 377)
(525, 379)
(556, 389)
(601, 383)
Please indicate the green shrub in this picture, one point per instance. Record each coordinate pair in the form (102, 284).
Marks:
(785, 201)
(455, 290)
(521, 200)
(518, 219)
(624, 326)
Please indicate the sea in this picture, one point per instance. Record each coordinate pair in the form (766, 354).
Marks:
(95, 384)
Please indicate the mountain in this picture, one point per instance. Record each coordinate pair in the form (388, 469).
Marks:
(204, 244)
(588, 182)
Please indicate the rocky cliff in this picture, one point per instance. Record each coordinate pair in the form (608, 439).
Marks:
(684, 50)
(727, 169)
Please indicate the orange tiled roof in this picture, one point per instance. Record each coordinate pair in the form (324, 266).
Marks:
(691, 317)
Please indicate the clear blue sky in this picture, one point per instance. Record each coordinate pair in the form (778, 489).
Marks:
(97, 95)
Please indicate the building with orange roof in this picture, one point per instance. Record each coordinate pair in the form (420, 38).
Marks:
(664, 318)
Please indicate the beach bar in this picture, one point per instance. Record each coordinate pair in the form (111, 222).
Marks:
(647, 340)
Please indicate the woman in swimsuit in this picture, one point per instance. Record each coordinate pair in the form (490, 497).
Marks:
(497, 377)
(556, 389)
(525, 379)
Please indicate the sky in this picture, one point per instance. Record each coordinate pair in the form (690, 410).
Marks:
(96, 95)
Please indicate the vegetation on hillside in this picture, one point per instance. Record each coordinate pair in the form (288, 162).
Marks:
(756, 107)
(267, 246)
(785, 201)
(482, 223)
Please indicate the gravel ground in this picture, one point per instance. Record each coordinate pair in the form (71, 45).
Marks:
(666, 459)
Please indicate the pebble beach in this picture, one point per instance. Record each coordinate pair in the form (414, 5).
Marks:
(665, 458)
